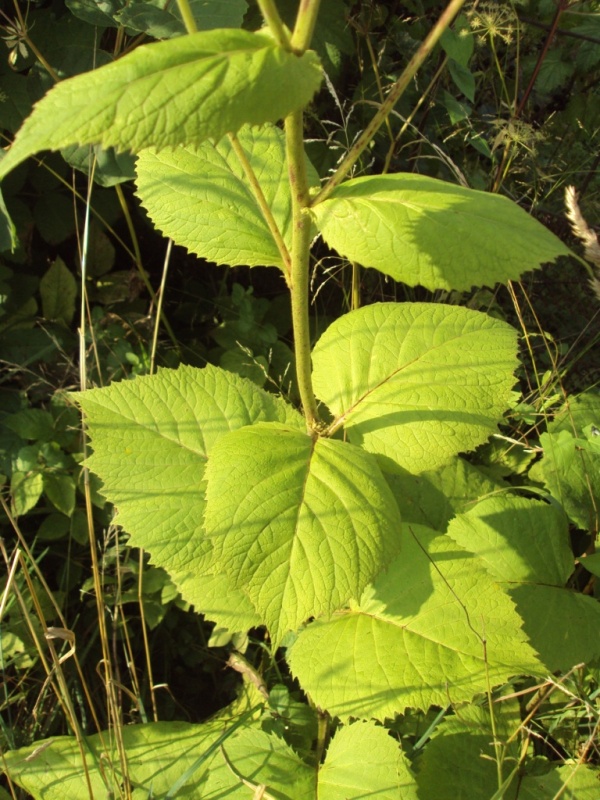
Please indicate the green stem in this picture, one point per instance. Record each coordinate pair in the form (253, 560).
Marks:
(271, 16)
(394, 95)
(264, 206)
(187, 16)
(300, 255)
(305, 25)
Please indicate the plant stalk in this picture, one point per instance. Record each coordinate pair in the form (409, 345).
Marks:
(305, 25)
(263, 204)
(187, 16)
(270, 14)
(300, 256)
(394, 95)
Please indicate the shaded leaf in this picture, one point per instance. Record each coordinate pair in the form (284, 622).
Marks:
(58, 289)
(416, 382)
(460, 762)
(416, 638)
(164, 22)
(525, 545)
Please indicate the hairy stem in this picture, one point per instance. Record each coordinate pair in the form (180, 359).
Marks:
(300, 255)
(305, 25)
(271, 16)
(394, 95)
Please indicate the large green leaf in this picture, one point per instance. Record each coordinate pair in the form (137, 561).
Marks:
(433, 629)
(151, 439)
(424, 231)
(181, 91)
(416, 382)
(301, 525)
(200, 197)
(525, 546)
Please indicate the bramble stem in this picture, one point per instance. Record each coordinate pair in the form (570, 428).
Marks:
(301, 233)
(394, 95)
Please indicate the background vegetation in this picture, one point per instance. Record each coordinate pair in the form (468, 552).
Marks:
(509, 103)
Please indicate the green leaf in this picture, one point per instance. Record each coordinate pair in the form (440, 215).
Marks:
(260, 760)
(200, 197)
(416, 638)
(8, 235)
(460, 760)
(416, 382)
(363, 760)
(570, 782)
(425, 231)
(96, 12)
(26, 490)
(31, 423)
(151, 439)
(58, 289)
(458, 44)
(570, 468)
(181, 91)
(60, 490)
(52, 769)
(434, 497)
(300, 525)
(463, 78)
(525, 545)
(163, 22)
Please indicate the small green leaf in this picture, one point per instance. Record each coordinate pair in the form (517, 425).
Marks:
(458, 44)
(569, 782)
(60, 490)
(26, 490)
(433, 629)
(181, 91)
(570, 468)
(31, 423)
(416, 382)
(463, 78)
(58, 289)
(200, 197)
(300, 525)
(8, 234)
(425, 231)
